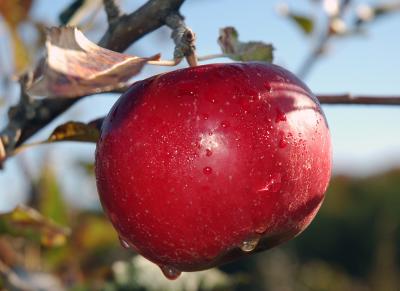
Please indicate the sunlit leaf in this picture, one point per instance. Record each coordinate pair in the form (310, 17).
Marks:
(15, 12)
(86, 166)
(51, 202)
(94, 232)
(75, 66)
(75, 131)
(2, 153)
(27, 222)
(305, 23)
(20, 52)
(243, 51)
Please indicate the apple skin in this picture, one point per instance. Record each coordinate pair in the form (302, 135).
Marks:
(200, 166)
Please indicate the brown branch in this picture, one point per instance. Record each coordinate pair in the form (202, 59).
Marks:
(359, 100)
(121, 33)
(132, 27)
(112, 10)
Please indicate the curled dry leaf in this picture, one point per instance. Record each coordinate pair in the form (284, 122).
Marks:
(27, 222)
(243, 51)
(74, 66)
(77, 131)
(2, 153)
(14, 13)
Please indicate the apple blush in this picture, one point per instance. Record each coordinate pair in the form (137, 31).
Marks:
(204, 165)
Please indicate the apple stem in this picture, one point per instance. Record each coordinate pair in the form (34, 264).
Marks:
(192, 60)
(184, 39)
(212, 56)
(169, 63)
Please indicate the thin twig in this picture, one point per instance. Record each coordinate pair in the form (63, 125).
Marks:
(212, 56)
(320, 47)
(359, 99)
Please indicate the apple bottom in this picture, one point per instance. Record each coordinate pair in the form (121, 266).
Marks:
(260, 242)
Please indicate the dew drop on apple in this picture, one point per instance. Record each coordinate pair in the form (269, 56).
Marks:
(124, 243)
(224, 124)
(260, 229)
(207, 170)
(268, 86)
(280, 116)
(208, 152)
(170, 272)
(249, 244)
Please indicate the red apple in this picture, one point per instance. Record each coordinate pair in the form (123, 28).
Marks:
(202, 165)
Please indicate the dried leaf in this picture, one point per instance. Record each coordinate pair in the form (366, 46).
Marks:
(27, 222)
(15, 12)
(305, 23)
(3, 153)
(243, 51)
(21, 54)
(75, 66)
(75, 131)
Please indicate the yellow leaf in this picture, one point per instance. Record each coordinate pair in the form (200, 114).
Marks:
(76, 131)
(21, 54)
(15, 11)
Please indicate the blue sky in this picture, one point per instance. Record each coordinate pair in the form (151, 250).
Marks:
(365, 139)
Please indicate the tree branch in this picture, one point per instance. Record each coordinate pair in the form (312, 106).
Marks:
(132, 27)
(121, 33)
(112, 10)
(359, 100)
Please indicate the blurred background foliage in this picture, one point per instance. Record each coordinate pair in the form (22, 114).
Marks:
(52, 243)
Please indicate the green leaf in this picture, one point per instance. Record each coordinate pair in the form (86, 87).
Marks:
(305, 23)
(51, 202)
(29, 223)
(75, 131)
(243, 51)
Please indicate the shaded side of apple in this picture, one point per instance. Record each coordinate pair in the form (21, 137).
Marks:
(202, 165)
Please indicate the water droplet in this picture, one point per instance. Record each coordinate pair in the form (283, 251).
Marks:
(249, 244)
(268, 86)
(124, 243)
(260, 229)
(207, 170)
(208, 153)
(280, 115)
(224, 124)
(282, 141)
(274, 184)
(170, 272)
